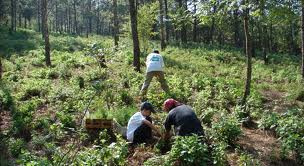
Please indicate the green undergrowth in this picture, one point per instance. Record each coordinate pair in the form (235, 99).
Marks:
(47, 103)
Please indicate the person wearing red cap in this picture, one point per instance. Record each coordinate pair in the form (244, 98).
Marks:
(140, 125)
(183, 118)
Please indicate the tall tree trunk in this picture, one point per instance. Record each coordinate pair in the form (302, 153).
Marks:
(236, 29)
(46, 32)
(75, 17)
(271, 38)
(87, 29)
(69, 18)
(90, 17)
(56, 17)
(212, 29)
(264, 44)
(30, 23)
(183, 33)
(248, 54)
(13, 16)
(162, 30)
(20, 17)
(25, 22)
(66, 20)
(1, 71)
(195, 22)
(116, 26)
(38, 16)
(166, 21)
(302, 36)
(292, 37)
(136, 49)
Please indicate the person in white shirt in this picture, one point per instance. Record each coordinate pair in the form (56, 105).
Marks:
(140, 125)
(155, 65)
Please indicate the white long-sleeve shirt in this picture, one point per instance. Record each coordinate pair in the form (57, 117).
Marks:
(154, 62)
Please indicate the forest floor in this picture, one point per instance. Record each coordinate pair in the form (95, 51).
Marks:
(207, 78)
(263, 145)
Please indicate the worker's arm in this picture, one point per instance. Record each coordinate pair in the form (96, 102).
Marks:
(162, 62)
(148, 59)
(151, 126)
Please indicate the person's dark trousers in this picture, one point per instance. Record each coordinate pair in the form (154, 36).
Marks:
(143, 133)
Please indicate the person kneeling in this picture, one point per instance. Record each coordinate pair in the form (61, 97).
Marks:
(140, 125)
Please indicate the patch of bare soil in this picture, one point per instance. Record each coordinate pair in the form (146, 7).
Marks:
(139, 155)
(5, 125)
(262, 146)
(44, 111)
(275, 100)
(5, 121)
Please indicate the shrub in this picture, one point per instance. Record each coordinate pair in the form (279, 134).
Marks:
(242, 113)
(226, 129)
(42, 122)
(64, 71)
(218, 154)
(22, 118)
(207, 116)
(188, 151)
(104, 154)
(31, 88)
(123, 114)
(291, 132)
(126, 98)
(16, 146)
(28, 158)
(269, 120)
(247, 159)
(66, 119)
(157, 160)
(6, 99)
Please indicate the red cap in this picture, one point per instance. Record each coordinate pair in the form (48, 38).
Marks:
(169, 104)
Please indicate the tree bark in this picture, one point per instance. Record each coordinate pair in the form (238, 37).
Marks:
(236, 29)
(38, 16)
(195, 22)
(46, 32)
(166, 21)
(56, 17)
(13, 16)
(248, 54)
(116, 26)
(183, 32)
(69, 19)
(162, 30)
(20, 16)
(1, 71)
(212, 29)
(90, 17)
(136, 49)
(25, 23)
(302, 36)
(75, 17)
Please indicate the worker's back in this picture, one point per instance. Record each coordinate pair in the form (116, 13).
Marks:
(184, 120)
(154, 62)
